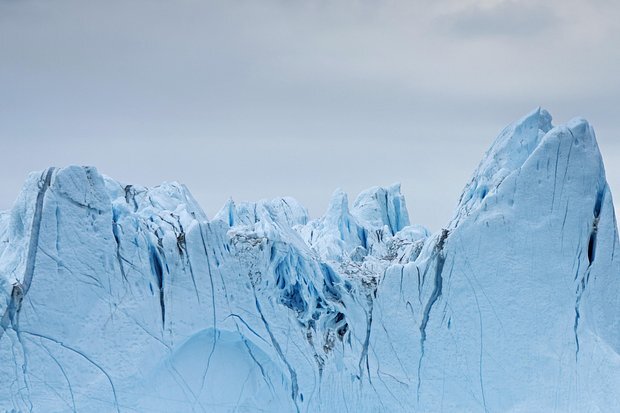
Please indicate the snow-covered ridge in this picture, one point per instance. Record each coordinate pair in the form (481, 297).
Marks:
(116, 297)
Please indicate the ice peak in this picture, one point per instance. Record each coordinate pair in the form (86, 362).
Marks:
(379, 206)
(582, 133)
(338, 206)
(228, 213)
(530, 140)
(515, 143)
(539, 118)
(337, 233)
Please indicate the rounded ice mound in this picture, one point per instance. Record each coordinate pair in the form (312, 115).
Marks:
(218, 370)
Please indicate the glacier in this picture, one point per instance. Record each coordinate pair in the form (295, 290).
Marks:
(121, 298)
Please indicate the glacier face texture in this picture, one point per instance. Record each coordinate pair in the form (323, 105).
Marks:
(118, 298)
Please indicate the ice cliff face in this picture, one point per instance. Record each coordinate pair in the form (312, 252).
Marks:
(118, 298)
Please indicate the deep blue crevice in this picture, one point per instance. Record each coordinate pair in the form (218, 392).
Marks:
(330, 281)
(437, 290)
(575, 327)
(276, 345)
(364, 356)
(593, 234)
(157, 270)
(117, 240)
(293, 299)
(363, 236)
(21, 289)
(435, 295)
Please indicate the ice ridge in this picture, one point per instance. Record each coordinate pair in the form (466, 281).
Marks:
(117, 297)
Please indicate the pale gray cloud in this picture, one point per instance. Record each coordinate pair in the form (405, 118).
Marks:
(504, 18)
(256, 99)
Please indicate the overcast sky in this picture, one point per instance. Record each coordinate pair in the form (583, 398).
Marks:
(255, 99)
